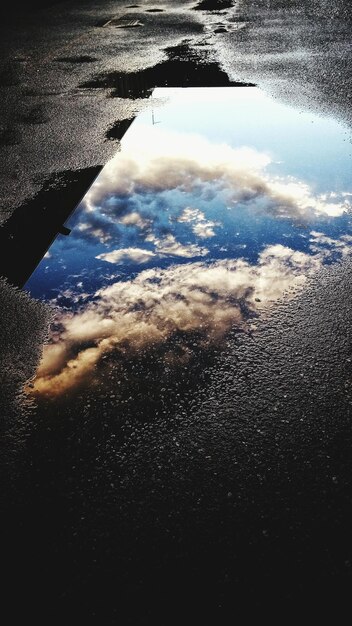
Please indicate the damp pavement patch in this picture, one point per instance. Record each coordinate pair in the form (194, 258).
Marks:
(214, 5)
(183, 68)
(118, 129)
(77, 59)
(23, 330)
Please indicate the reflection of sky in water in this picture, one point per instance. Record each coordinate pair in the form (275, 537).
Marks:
(226, 202)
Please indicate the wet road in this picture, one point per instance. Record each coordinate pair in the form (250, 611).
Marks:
(222, 490)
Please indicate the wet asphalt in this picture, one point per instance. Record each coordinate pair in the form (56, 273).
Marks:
(232, 499)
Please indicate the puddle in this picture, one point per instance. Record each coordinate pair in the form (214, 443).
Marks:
(214, 5)
(33, 227)
(183, 68)
(220, 203)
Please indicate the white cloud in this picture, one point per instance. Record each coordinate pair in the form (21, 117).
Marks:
(205, 229)
(93, 231)
(324, 245)
(125, 255)
(73, 295)
(165, 160)
(293, 195)
(190, 215)
(201, 226)
(169, 246)
(135, 219)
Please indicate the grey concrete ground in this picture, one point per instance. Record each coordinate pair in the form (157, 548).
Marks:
(240, 499)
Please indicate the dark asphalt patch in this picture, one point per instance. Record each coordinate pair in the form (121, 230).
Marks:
(117, 130)
(35, 115)
(10, 136)
(214, 5)
(79, 59)
(9, 76)
(183, 68)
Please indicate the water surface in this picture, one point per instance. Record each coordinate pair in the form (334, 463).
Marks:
(220, 202)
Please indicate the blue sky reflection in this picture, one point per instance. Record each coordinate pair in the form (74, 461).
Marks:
(201, 220)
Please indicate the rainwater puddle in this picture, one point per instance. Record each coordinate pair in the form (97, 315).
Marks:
(183, 67)
(220, 202)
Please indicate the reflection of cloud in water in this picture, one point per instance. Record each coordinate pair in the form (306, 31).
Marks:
(123, 255)
(323, 244)
(169, 246)
(133, 315)
(166, 247)
(200, 225)
(135, 219)
(170, 161)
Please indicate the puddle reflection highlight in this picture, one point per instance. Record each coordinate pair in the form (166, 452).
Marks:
(220, 201)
